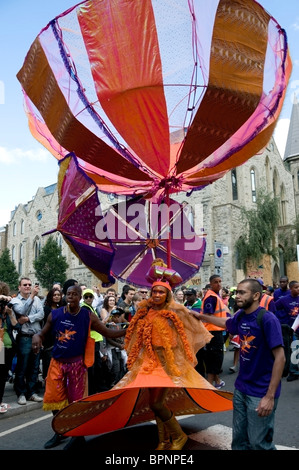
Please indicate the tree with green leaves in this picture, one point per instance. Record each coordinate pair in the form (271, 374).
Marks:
(289, 239)
(260, 226)
(51, 265)
(8, 271)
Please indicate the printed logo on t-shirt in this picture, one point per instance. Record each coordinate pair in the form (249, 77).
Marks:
(294, 312)
(67, 335)
(246, 343)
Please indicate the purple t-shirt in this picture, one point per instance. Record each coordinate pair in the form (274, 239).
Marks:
(287, 309)
(278, 293)
(70, 333)
(256, 358)
(210, 304)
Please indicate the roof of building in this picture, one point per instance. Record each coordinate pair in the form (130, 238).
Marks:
(50, 189)
(292, 145)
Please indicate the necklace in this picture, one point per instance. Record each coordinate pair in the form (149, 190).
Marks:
(71, 313)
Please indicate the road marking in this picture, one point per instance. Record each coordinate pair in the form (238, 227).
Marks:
(217, 436)
(220, 437)
(17, 428)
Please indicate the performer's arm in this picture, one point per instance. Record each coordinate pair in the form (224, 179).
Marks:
(97, 325)
(38, 338)
(217, 321)
(266, 404)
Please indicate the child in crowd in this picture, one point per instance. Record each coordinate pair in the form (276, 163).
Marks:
(117, 356)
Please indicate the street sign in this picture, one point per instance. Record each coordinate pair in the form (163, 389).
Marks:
(218, 271)
(218, 252)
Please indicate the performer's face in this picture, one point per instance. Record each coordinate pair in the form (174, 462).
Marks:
(159, 295)
(73, 297)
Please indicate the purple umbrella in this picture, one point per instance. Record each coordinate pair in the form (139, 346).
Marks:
(140, 230)
(79, 213)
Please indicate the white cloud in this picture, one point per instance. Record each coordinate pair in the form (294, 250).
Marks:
(281, 135)
(23, 172)
(12, 156)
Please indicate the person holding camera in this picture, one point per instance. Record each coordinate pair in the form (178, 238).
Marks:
(29, 312)
(8, 323)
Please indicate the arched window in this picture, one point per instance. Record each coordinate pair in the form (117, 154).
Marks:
(275, 184)
(237, 257)
(283, 203)
(36, 248)
(21, 256)
(189, 212)
(22, 226)
(253, 184)
(194, 216)
(14, 229)
(59, 241)
(282, 265)
(234, 184)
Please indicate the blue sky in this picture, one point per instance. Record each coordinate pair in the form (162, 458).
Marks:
(25, 165)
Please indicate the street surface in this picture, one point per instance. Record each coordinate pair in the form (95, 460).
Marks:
(31, 429)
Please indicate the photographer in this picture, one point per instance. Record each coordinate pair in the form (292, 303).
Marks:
(8, 323)
(29, 312)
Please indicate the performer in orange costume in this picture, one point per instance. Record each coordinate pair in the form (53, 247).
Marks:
(161, 341)
(157, 344)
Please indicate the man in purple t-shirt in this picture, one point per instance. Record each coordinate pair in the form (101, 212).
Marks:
(287, 310)
(287, 307)
(262, 359)
(282, 290)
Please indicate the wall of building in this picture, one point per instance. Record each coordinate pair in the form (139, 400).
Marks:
(293, 271)
(3, 239)
(222, 213)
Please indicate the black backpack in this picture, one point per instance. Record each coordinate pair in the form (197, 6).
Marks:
(287, 336)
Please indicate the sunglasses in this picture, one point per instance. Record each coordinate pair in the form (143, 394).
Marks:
(88, 296)
(27, 285)
(143, 291)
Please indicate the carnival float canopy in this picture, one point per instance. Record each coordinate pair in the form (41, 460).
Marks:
(156, 97)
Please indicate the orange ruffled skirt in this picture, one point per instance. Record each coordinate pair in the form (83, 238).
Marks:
(127, 403)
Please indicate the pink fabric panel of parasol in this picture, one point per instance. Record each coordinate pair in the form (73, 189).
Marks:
(171, 104)
(79, 213)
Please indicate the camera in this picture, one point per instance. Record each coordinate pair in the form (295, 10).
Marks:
(3, 304)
